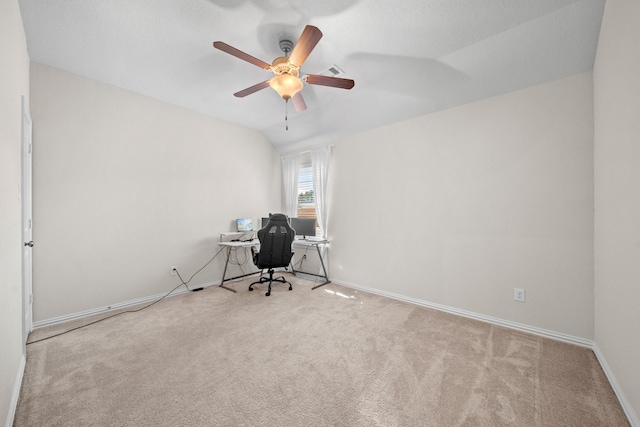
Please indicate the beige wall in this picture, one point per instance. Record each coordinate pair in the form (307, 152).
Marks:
(126, 187)
(459, 207)
(617, 191)
(14, 83)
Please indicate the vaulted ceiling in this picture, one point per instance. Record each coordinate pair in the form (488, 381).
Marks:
(407, 57)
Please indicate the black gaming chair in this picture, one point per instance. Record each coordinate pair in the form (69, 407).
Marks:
(275, 238)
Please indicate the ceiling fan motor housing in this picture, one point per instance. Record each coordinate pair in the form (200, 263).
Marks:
(286, 46)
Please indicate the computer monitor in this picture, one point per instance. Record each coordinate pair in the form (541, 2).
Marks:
(305, 227)
(244, 224)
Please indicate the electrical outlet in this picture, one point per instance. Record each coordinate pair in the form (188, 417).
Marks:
(519, 294)
(174, 269)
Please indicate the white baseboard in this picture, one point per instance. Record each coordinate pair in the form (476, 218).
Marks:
(626, 407)
(632, 417)
(15, 395)
(494, 320)
(113, 307)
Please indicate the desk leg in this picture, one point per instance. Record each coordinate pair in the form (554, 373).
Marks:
(326, 276)
(224, 273)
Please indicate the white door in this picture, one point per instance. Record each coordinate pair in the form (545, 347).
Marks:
(27, 224)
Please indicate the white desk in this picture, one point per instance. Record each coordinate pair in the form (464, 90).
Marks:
(315, 243)
(239, 235)
(234, 245)
(255, 242)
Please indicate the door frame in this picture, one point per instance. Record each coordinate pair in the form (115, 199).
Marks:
(27, 224)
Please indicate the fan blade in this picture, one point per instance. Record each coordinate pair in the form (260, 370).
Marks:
(240, 54)
(252, 89)
(315, 79)
(298, 102)
(308, 40)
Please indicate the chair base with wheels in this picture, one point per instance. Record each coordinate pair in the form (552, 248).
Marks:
(270, 279)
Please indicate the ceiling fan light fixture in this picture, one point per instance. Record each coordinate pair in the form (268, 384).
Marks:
(286, 85)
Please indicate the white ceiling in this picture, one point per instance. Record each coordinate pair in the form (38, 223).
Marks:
(407, 57)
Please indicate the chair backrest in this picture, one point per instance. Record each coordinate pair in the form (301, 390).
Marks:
(275, 243)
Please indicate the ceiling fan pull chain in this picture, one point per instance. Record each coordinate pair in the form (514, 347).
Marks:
(286, 114)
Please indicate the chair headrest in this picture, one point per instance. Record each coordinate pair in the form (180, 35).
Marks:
(277, 217)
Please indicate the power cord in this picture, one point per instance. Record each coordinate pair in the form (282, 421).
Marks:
(105, 318)
(139, 309)
(235, 260)
(298, 265)
(194, 274)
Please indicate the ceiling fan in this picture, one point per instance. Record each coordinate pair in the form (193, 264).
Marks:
(286, 69)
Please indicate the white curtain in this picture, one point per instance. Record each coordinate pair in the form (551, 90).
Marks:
(320, 158)
(290, 171)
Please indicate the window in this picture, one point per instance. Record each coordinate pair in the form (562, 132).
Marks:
(306, 200)
(305, 185)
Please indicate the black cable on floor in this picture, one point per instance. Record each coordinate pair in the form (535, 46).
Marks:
(137, 310)
(108, 317)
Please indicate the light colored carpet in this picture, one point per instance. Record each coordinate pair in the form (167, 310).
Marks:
(328, 357)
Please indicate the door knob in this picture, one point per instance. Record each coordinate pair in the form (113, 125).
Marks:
(30, 244)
